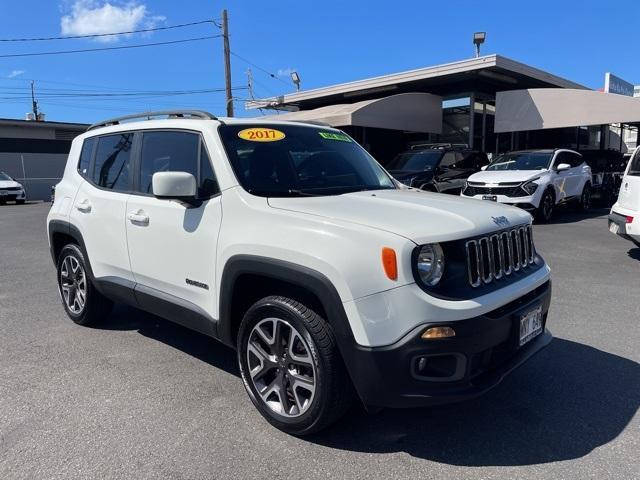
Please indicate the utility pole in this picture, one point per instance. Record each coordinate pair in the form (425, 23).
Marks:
(34, 104)
(250, 83)
(227, 62)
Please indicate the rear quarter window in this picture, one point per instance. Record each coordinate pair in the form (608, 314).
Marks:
(634, 166)
(85, 156)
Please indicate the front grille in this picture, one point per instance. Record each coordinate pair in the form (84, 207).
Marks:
(499, 255)
(508, 190)
(11, 189)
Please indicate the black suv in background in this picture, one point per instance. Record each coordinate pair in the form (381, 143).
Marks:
(437, 167)
(607, 168)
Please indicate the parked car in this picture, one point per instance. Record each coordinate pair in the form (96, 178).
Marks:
(534, 180)
(10, 190)
(607, 169)
(437, 167)
(291, 244)
(624, 219)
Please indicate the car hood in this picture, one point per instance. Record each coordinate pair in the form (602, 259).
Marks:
(504, 176)
(417, 215)
(9, 184)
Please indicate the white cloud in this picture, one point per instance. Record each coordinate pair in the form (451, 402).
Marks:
(90, 17)
(285, 72)
(15, 73)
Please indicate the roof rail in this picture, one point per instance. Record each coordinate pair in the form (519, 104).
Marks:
(199, 114)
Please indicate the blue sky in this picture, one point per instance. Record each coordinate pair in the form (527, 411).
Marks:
(326, 42)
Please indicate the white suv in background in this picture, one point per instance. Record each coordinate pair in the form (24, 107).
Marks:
(624, 219)
(535, 180)
(10, 190)
(291, 244)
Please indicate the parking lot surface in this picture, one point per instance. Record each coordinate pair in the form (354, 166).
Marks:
(139, 397)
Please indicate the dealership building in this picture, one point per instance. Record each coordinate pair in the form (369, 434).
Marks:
(491, 103)
(34, 153)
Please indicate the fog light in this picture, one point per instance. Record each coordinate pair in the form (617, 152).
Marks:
(438, 332)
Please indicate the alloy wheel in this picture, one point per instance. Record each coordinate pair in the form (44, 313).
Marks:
(281, 367)
(73, 284)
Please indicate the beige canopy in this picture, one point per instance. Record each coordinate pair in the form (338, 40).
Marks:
(542, 108)
(415, 112)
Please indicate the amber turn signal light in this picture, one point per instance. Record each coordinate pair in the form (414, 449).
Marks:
(389, 263)
(438, 332)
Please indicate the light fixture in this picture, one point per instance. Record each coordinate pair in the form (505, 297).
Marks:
(478, 39)
(295, 78)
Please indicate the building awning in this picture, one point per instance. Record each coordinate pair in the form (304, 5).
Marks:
(544, 108)
(415, 112)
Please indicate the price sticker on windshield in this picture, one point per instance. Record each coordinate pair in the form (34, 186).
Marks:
(261, 134)
(341, 137)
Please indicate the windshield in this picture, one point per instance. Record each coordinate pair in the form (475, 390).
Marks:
(4, 176)
(416, 160)
(292, 160)
(522, 161)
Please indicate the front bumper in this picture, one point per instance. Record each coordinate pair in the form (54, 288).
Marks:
(12, 195)
(526, 203)
(484, 350)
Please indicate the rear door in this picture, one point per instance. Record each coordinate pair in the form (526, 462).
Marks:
(172, 245)
(629, 196)
(99, 206)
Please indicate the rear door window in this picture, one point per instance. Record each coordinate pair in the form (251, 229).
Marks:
(112, 166)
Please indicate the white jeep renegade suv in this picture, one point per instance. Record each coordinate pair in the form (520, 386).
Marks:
(288, 242)
(535, 180)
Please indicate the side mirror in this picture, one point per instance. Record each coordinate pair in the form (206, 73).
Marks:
(175, 186)
(484, 167)
(562, 167)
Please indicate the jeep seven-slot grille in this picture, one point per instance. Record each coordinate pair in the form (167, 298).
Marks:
(499, 255)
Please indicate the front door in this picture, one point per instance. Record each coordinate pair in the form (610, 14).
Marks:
(172, 245)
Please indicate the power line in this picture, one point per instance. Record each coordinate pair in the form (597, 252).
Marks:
(97, 35)
(272, 75)
(123, 47)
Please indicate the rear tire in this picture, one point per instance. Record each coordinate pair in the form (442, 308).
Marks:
(585, 199)
(544, 212)
(291, 367)
(80, 299)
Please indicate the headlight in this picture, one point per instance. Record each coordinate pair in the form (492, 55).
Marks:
(430, 264)
(530, 187)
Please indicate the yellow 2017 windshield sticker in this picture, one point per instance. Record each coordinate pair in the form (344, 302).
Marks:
(261, 134)
(341, 137)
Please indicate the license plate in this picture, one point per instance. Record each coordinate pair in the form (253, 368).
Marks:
(530, 325)
(614, 227)
(491, 198)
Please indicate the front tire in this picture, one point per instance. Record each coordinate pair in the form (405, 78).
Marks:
(545, 211)
(80, 299)
(20, 202)
(291, 367)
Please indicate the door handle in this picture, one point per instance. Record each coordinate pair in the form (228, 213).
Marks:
(84, 206)
(138, 218)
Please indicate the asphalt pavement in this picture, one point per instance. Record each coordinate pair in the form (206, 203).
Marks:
(139, 397)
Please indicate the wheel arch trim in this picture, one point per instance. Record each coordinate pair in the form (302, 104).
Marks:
(303, 277)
